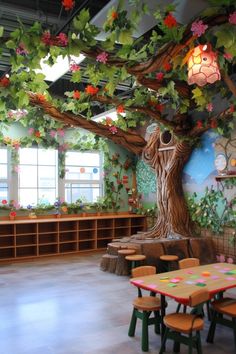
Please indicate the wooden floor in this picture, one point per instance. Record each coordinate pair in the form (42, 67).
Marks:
(67, 305)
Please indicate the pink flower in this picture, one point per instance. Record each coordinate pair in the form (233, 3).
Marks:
(159, 76)
(74, 67)
(232, 18)
(209, 107)
(16, 169)
(21, 50)
(4, 201)
(228, 56)
(113, 129)
(62, 39)
(198, 28)
(63, 147)
(46, 38)
(60, 132)
(31, 131)
(102, 57)
(222, 258)
(230, 260)
(52, 133)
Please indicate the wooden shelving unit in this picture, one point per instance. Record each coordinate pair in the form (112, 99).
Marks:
(20, 239)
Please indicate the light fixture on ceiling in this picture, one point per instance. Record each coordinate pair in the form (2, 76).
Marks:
(60, 68)
(107, 114)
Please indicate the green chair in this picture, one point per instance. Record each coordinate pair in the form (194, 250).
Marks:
(221, 308)
(143, 307)
(185, 327)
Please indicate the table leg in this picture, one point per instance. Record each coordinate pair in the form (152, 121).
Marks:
(163, 312)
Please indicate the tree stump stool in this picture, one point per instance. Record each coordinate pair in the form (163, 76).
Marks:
(167, 261)
(122, 267)
(108, 263)
(135, 259)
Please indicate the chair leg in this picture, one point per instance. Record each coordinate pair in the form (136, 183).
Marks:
(163, 343)
(234, 330)
(157, 322)
(209, 316)
(132, 325)
(211, 332)
(145, 341)
(185, 309)
(178, 308)
(190, 345)
(198, 343)
(176, 347)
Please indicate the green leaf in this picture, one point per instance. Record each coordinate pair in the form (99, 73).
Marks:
(1, 31)
(10, 44)
(81, 20)
(76, 76)
(125, 37)
(23, 98)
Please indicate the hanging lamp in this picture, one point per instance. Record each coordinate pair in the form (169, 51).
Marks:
(203, 67)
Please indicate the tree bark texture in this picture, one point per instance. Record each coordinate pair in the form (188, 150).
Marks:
(168, 163)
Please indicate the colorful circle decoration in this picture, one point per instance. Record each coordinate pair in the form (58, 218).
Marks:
(82, 170)
(95, 170)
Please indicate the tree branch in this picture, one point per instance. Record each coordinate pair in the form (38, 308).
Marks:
(129, 140)
(229, 83)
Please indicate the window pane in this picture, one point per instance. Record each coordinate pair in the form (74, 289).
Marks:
(3, 171)
(27, 196)
(3, 191)
(47, 196)
(89, 192)
(28, 176)
(46, 157)
(47, 177)
(28, 156)
(89, 173)
(74, 158)
(3, 155)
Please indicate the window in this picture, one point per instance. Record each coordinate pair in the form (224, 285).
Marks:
(37, 182)
(83, 176)
(3, 173)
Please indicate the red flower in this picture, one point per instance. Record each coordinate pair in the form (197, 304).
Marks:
(152, 103)
(41, 97)
(170, 21)
(4, 201)
(159, 76)
(46, 38)
(114, 15)
(4, 82)
(120, 109)
(37, 134)
(231, 109)
(91, 90)
(76, 95)
(68, 4)
(167, 66)
(213, 123)
(62, 39)
(199, 124)
(159, 107)
(12, 213)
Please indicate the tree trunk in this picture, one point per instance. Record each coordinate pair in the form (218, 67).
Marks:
(168, 161)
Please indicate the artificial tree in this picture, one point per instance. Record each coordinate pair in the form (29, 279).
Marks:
(161, 92)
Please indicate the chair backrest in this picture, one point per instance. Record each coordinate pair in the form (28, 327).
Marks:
(198, 297)
(188, 262)
(143, 270)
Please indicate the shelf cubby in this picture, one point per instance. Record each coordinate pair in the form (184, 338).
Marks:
(67, 237)
(67, 226)
(26, 251)
(22, 240)
(23, 229)
(6, 241)
(33, 238)
(47, 227)
(68, 247)
(48, 249)
(47, 238)
(105, 223)
(7, 253)
(7, 230)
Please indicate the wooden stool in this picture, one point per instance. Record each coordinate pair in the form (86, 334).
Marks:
(122, 267)
(135, 260)
(167, 259)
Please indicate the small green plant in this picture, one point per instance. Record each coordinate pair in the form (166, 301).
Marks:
(212, 211)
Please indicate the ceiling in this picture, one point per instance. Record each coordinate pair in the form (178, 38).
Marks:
(53, 16)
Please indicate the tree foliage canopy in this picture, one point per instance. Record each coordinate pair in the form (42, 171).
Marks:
(157, 66)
